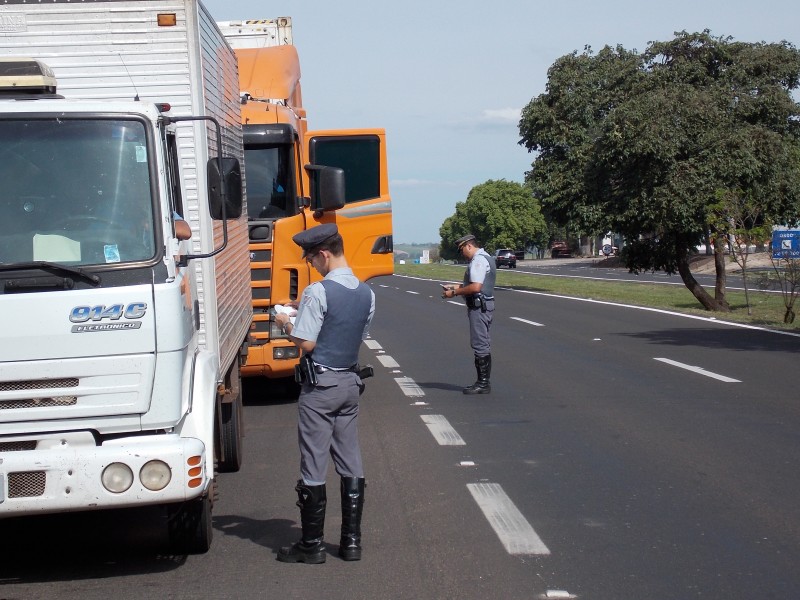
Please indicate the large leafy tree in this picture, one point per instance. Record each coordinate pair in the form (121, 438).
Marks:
(645, 145)
(500, 213)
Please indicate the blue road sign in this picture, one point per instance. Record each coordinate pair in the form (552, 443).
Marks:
(786, 244)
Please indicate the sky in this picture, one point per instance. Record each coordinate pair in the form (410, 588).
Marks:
(447, 79)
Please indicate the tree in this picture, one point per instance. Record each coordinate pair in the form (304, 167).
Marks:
(499, 213)
(645, 144)
(743, 225)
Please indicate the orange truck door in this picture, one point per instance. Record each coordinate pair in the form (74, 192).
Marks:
(365, 222)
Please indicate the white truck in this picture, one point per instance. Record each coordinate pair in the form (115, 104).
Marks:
(121, 343)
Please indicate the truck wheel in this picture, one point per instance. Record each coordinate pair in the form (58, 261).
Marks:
(230, 436)
(190, 526)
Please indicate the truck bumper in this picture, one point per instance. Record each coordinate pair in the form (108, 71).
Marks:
(66, 474)
(260, 362)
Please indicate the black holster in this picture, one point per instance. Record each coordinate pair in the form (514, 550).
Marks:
(475, 301)
(305, 372)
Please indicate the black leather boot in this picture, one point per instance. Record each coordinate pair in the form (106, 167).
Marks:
(352, 508)
(483, 365)
(310, 549)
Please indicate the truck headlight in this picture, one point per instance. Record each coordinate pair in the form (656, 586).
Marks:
(285, 352)
(117, 478)
(155, 475)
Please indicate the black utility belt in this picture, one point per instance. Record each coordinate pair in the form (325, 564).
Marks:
(362, 372)
(478, 301)
(321, 369)
(307, 370)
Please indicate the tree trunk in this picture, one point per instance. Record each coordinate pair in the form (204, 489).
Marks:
(695, 288)
(722, 275)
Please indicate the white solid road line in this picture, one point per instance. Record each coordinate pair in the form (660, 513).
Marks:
(526, 321)
(698, 370)
(442, 431)
(514, 531)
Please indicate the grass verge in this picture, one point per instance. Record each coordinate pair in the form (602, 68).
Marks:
(767, 308)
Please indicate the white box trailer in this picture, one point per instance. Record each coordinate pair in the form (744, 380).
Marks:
(119, 377)
(258, 33)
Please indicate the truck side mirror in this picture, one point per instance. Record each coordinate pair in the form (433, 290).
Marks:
(327, 187)
(231, 179)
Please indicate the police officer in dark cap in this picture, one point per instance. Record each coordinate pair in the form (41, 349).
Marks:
(478, 292)
(333, 318)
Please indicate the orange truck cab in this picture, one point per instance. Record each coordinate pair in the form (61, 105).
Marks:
(284, 164)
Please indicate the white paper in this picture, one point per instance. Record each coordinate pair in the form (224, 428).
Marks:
(55, 248)
(280, 309)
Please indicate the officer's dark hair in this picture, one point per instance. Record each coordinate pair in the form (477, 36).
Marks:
(334, 245)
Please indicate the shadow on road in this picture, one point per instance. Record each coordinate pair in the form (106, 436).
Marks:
(437, 385)
(258, 391)
(267, 533)
(69, 547)
(715, 338)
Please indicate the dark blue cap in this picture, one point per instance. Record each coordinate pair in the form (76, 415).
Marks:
(463, 240)
(311, 238)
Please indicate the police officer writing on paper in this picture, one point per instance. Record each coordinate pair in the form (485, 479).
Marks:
(332, 318)
(478, 291)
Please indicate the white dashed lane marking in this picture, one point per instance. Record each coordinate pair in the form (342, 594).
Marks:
(698, 370)
(387, 361)
(409, 387)
(442, 431)
(514, 531)
(527, 321)
(511, 527)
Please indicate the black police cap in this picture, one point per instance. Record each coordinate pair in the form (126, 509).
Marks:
(311, 238)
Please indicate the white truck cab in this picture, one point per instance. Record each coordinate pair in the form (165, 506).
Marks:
(121, 343)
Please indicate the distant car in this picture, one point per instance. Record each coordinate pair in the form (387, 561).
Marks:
(560, 250)
(505, 258)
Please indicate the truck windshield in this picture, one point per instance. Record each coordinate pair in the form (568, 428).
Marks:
(75, 191)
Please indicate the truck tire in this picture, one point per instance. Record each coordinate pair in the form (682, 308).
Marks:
(190, 526)
(230, 436)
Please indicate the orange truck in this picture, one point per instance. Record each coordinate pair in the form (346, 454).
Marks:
(283, 160)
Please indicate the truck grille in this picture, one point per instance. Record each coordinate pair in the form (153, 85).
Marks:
(39, 402)
(27, 484)
(17, 446)
(38, 384)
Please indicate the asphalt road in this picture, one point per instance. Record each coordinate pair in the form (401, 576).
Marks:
(622, 454)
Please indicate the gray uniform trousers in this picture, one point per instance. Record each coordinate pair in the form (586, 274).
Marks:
(328, 425)
(479, 324)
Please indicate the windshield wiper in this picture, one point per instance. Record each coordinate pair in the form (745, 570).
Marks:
(50, 266)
